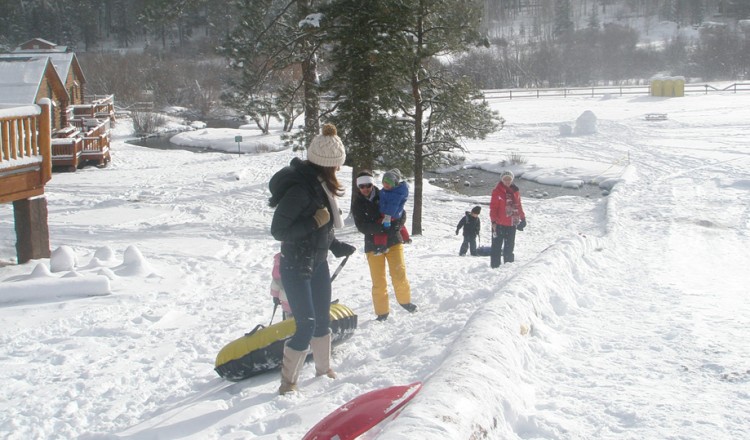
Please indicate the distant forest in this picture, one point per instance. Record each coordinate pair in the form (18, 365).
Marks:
(88, 24)
(532, 43)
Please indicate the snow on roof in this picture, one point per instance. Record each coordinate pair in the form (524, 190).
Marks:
(61, 60)
(20, 78)
(54, 48)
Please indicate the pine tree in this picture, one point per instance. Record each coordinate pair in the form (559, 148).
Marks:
(563, 21)
(594, 22)
(398, 103)
(272, 36)
(443, 109)
(367, 65)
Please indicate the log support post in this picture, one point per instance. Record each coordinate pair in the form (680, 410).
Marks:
(32, 231)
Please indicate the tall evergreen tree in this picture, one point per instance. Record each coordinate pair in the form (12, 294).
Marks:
(272, 36)
(563, 19)
(442, 109)
(594, 21)
(398, 102)
(366, 69)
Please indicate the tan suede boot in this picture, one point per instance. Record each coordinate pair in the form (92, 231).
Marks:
(321, 349)
(290, 368)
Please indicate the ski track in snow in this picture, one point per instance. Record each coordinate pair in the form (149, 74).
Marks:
(666, 203)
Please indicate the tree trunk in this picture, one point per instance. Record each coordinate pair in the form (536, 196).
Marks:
(310, 78)
(310, 81)
(416, 218)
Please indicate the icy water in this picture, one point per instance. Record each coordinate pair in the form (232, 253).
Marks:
(477, 182)
(469, 182)
(162, 141)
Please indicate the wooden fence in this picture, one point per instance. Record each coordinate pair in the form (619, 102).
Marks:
(606, 91)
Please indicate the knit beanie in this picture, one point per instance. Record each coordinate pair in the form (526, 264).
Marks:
(391, 177)
(476, 210)
(326, 149)
(507, 173)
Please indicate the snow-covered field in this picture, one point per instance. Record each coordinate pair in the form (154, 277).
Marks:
(624, 316)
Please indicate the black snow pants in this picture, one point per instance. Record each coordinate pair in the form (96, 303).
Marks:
(503, 243)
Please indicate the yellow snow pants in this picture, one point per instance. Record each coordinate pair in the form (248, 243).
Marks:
(397, 269)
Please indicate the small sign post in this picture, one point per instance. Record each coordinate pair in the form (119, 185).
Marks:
(238, 139)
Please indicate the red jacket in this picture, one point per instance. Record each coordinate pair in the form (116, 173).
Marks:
(505, 205)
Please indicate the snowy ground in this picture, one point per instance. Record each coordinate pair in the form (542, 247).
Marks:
(636, 304)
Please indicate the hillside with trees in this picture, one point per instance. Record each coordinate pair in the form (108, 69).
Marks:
(533, 43)
(404, 76)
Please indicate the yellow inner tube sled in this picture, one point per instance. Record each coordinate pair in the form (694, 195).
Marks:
(262, 349)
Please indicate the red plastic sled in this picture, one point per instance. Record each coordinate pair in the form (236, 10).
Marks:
(360, 414)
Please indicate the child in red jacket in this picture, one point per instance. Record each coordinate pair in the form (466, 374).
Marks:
(507, 215)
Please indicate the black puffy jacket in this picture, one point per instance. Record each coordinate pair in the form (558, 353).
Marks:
(296, 193)
(366, 213)
(470, 224)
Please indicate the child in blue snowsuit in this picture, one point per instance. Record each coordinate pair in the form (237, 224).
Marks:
(393, 197)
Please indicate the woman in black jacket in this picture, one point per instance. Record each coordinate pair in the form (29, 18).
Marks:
(305, 197)
(366, 213)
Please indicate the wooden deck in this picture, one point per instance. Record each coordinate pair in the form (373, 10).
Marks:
(25, 167)
(87, 138)
(25, 155)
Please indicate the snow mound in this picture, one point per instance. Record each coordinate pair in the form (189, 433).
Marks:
(133, 264)
(62, 259)
(64, 279)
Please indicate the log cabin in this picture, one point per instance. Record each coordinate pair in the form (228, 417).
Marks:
(26, 80)
(65, 62)
(81, 129)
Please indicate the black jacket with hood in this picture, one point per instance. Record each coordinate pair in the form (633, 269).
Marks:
(366, 213)
(296, 193)
(470, 224)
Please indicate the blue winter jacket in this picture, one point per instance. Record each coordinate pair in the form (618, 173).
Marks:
(392, 200)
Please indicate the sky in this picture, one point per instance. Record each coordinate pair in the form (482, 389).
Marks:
(624, 316)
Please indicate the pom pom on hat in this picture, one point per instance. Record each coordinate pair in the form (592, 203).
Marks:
(507, 173)
(392, 177)
(326, 149)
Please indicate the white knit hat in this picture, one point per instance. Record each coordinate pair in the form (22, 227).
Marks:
(326, 149)
(507, 173)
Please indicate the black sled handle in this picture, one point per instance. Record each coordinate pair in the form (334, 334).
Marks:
(333, 277)
(338, 269)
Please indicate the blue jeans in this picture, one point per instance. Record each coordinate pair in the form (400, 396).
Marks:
(310, 301)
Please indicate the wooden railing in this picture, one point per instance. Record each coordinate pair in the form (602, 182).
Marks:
(25, 154)
(90, 142)
(99, 106)
(96, 142)
(67, 152)
(605, 91)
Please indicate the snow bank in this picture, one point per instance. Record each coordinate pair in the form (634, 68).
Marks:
(484, 375)
(53, 288)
